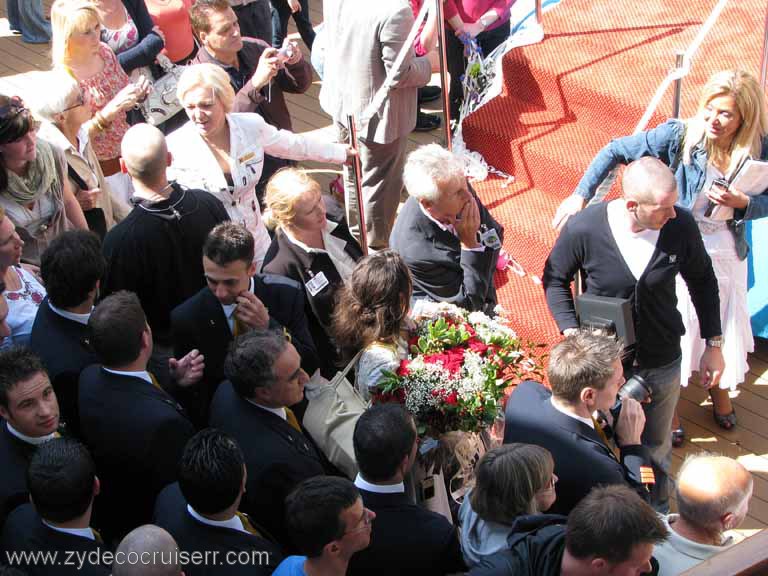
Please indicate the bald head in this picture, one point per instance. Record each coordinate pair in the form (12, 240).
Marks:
(147, 551)
(711, 487)
(648, 180)
(144, 153)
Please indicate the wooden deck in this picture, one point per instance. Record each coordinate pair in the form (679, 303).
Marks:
(748, 443)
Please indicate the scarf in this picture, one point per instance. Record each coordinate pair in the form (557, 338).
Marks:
(40, 176)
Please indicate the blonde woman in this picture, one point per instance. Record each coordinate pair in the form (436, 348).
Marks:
(223, 152)
(730, 126)
(316, 251)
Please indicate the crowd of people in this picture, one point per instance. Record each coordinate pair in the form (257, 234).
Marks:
(167, 292)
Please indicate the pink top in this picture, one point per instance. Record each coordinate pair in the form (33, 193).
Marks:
(172, 16)
(471, 10)
(418, 47)
(123, 38)
(99, 89)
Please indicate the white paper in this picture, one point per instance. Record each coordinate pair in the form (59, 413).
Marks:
(752, 179)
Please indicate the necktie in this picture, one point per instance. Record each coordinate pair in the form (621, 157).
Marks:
(155, 383)
(291, 419)
(238, 328)
(247, 524)
(602, 435)
(97, 536)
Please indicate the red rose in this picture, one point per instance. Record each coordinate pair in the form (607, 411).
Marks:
(403, 368)
(452, 399)
(477, 345)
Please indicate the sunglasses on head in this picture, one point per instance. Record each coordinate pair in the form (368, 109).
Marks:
(14, 107)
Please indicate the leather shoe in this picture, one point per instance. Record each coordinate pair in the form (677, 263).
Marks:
(429, 94)
(426, 122)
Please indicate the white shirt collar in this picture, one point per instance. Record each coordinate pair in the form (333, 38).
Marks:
(363, 484)
(79, 318)
(233, 523)
(329, 227)
(229, 309)
(143, 374)
(29, 439)
(276, 411)
(82, 532)
(587, 421)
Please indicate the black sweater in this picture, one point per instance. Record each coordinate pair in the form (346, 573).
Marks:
(586, 243)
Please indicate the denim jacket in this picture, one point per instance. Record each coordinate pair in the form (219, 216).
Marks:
(665, 143)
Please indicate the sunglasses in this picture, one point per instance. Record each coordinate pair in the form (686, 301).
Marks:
(14, 107)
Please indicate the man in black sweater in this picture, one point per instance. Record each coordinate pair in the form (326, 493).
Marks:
(633, 248)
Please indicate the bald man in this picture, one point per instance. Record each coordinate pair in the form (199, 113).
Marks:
(713, 494)
(633, 248)
(147, 551)
(156, 251)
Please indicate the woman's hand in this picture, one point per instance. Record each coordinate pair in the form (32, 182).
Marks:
(88, 199)
(126, 99)
(159, 32)
(294, 5)
(728, 197)
(473, 29)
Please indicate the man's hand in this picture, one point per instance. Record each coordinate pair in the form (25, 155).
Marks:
(88, 198)
(266, 69)
(251, 311)
(567, 208)
(189, 370)
(294, 6)
(296, 54)
(629, 428)
(468, 223)
(711, 367)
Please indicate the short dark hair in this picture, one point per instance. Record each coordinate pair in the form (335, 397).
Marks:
(17, 364)
(60, 479)
(609, 522)
(581, 360)
(229, 242)
(115, 328)
(250, 363)
(200, 11)
(313, 512)
(211, 471)
(71, 266)
(384, 435)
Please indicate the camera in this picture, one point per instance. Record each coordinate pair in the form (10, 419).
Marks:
(635, 387)
(285, 54)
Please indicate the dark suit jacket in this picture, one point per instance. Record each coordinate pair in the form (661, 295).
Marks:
(287, 259)
(277, 456)
(441, 270)
(62, 345)
(24, 532)
(407, 540)
(200, 323)
(136, 434)
(193, 536)
(582, 460)
(15, 455)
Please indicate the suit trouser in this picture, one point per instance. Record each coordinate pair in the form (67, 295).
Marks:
(255, 20)
(665, 391)
(382, 183)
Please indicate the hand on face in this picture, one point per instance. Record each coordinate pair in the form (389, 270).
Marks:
(468, 223)
(251, 311)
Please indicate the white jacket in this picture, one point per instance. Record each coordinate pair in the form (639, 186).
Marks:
(195, 166)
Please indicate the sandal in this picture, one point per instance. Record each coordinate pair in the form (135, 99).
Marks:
(725, 421)
(678, 437)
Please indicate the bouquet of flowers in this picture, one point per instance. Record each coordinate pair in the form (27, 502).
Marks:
(458, 368)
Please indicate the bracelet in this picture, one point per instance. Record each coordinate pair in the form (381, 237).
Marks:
(101, 122)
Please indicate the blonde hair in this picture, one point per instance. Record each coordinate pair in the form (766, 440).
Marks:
(69, 17)
(207, 76)
(750, 102)
(283, 191)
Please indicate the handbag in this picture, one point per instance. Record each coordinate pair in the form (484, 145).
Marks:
(332, 412)
(162, 103)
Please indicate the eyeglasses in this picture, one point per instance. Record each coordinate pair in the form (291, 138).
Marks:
(79, 102)
(14, 107)
(363, 523)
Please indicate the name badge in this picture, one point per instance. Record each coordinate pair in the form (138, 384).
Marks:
(245, 157)
(490, 238)
(317, 283)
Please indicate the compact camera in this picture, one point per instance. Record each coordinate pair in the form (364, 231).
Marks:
(285, 54)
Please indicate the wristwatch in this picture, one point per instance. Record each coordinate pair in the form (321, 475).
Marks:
(715, 342)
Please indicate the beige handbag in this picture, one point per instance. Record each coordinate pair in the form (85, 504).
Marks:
(332, 412)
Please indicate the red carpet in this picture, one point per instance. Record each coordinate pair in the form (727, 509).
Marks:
(590, 80)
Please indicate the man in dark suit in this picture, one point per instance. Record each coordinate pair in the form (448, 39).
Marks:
(448, 239)
(134, 429)
(30, 415)
(264, 377)
(585, 374)
(236, 300)
(406, 539)
(71, 266)
(200, 510)
(62, 485)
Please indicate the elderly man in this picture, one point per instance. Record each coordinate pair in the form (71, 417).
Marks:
(148, 551)
(633, 248)
(264, 378)
(713, 494)
(364, 39)
(448, 239)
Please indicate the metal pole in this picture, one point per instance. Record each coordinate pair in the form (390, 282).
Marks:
(440, 23)
(357, 170)
(764, 65)
(679, 60)
(539, 19)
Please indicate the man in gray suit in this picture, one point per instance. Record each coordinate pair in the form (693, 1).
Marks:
(364, 41)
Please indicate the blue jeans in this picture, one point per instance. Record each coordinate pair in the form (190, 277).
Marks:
(28, 17)
(665, 391)
(281, 11)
